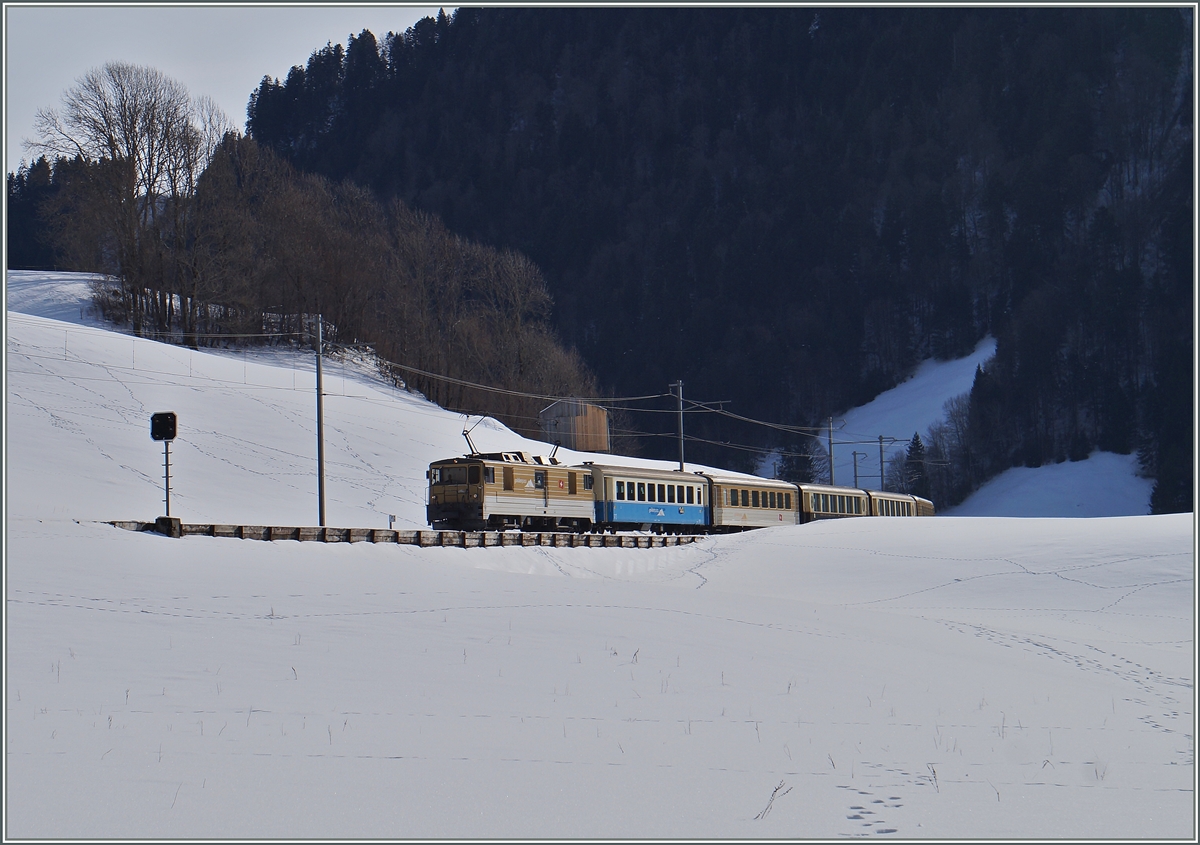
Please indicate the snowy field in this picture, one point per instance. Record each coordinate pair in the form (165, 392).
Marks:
(968, 677)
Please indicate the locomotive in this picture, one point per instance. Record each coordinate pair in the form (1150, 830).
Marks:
(514, 490)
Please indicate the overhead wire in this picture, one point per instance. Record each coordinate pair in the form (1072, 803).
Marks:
(609, 402)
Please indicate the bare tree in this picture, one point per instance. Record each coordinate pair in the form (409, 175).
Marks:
(144, 142)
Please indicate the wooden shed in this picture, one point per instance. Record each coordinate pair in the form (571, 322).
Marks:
(574, 424)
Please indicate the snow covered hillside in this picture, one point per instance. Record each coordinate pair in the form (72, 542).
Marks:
(908, 408)
(1102, 485)
(975, 677)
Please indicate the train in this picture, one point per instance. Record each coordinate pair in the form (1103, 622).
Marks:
(500, 491)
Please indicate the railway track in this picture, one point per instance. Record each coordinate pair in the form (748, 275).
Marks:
(422, 538)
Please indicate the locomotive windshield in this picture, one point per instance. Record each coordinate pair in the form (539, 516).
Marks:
(459, 474)
(451, 475)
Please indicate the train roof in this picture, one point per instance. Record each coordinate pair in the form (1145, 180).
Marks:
(742, 479)
(505, 457)
(642, 471)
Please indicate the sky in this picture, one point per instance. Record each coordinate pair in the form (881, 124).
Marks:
(944, 678)
(219, 51)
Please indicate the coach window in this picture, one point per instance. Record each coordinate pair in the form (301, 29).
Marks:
(539, 479)
(690, 495)
(679, 493)
(620, 491)
(671, 494)
(662, 493)
(753, 498)
(699, 496)
(572, 483)
(641, 491)
(650, 493)
(733, 498)
(508, 478)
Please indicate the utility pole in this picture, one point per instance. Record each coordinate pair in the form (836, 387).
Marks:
(831, 451)
(882, 486)
(856, 454)
(679, 384)
(320, 428)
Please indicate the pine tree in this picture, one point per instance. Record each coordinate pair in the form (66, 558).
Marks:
(796, 465)
(916, 478)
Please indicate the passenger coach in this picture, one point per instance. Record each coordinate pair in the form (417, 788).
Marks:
(741, 502)
(638, 499)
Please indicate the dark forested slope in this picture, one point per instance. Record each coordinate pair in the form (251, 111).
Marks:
(789, 207)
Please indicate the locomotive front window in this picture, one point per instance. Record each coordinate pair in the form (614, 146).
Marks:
(453, 475)
(641, 492)
(620, 491)
(473, 474)
(489, 475)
